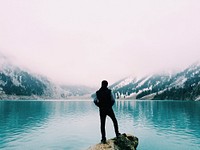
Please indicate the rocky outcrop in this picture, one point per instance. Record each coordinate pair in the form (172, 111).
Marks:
(123, 142)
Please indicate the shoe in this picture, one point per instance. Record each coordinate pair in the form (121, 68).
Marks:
(103, 141)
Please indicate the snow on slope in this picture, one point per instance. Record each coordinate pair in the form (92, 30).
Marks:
(180, 85)
(179, 82)
(17, 83)
(125, 82)
(143, 81)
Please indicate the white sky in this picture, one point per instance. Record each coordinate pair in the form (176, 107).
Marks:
(85, 41)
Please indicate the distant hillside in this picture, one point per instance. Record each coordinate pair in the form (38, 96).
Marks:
(184, 85)
(17, 83)
(78, 90)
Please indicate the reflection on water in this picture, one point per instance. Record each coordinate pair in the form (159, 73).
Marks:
(173, 124)
(74, 125)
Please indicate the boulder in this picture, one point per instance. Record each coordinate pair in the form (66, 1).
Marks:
(123, 142)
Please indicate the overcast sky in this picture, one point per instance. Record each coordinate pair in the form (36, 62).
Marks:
(85, 41)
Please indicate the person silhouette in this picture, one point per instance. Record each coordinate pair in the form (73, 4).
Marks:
(104, 99)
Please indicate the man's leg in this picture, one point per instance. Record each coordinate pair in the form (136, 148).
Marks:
(112, 116)
(103, 122)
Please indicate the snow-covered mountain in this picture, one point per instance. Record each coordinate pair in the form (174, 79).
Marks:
(184, 85)
(17, 83)
(78, 90)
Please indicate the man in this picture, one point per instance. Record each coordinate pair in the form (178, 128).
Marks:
(104, 99)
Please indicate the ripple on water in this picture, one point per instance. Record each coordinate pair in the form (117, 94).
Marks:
(74, 125)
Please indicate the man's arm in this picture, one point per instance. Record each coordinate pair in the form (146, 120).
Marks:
(96, 101)
(112, 98)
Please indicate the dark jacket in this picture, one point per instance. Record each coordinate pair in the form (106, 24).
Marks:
(104, 99)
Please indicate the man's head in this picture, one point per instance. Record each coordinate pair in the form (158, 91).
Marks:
(104, 84)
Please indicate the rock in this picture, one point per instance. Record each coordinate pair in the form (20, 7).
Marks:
(123, 142)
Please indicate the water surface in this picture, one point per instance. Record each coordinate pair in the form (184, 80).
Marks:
(74, 125)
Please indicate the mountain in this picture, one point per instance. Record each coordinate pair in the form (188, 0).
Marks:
(17, 83)
(78, 90)
(184, 85)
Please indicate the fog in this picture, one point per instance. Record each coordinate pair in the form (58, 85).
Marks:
(86, 41)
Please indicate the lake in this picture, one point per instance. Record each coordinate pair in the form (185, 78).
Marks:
(74, 125)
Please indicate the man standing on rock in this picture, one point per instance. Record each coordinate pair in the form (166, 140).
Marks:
(104, 99)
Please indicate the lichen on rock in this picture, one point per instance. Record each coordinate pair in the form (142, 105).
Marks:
(123, 142)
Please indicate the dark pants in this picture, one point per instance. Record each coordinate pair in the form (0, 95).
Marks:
(103, 114)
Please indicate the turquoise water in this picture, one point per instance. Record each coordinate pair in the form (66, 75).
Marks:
(74, 125)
